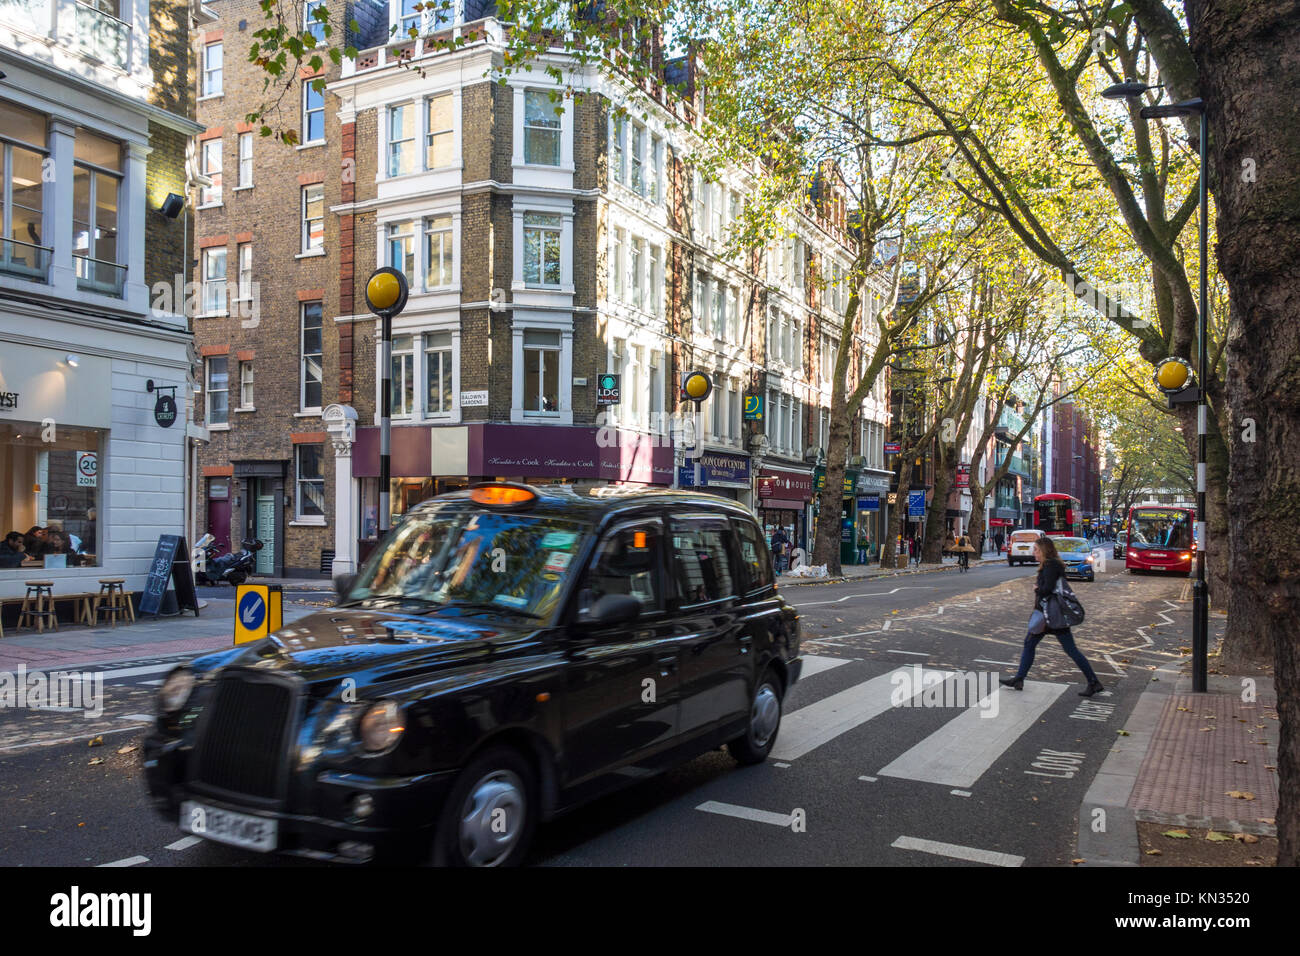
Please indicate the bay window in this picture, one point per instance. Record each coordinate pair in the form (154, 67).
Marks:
(541, 370)
(437, 373)
(542, 249)
(541, 129)
(438, 253)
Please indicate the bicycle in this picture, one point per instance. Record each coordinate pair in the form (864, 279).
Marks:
(963, 561)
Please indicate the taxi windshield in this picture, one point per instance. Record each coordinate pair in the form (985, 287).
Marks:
(489, 560)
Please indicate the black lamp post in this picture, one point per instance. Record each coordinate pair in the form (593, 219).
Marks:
(1200, 590)
(386, 292)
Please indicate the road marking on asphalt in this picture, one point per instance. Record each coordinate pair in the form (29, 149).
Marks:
(746, 813)
(136, 671)
(815, 665)
(959, 752)
(868, 779)
(185, 843)
(129, 861)
(779, 764)
(809, 727)
(960, 793)
(916, 653)
(849, 597)
(981, 660)
(954, 851)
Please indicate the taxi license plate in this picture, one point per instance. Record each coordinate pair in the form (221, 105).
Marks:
(237, 829)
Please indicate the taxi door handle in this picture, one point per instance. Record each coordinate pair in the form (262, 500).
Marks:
(667, 664)
(745, 641)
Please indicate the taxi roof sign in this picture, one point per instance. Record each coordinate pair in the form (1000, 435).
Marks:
(502, 494)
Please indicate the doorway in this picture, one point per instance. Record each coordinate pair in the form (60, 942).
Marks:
(219, 513)
(264, 529)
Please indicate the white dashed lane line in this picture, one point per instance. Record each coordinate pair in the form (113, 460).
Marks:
(129, 861)
(185, 843)
(746, 813)
(956, 852)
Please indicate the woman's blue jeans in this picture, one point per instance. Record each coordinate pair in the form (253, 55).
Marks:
(1067, 645)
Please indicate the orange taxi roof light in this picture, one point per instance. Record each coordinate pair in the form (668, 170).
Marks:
(498, 496)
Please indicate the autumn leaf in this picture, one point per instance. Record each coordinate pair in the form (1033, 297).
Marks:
(1078, 860)
(1122, 733)
(96, 741)
(1155, 852)
(1177, 834)
(1245, 838)
(127, 749)
(96, 761)
(1240, 794)
(1214, 836)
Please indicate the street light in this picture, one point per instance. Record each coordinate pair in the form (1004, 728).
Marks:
(1200, 591)
(386, 292)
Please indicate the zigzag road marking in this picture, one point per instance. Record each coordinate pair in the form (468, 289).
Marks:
(1148, 641)
(849, 597)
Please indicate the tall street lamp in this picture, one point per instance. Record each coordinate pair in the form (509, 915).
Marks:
(1200, 590)
(386, 292)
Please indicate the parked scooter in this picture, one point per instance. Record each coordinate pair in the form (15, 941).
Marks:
(234, 568)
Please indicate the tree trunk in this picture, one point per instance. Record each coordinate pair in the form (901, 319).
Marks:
(890, 551)
(826, 546)
(1248, 56)
(936, 522)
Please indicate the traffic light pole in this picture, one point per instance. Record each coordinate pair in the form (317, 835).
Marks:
(1200, 590)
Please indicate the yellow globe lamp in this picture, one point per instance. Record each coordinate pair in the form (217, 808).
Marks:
(1172, 375)
(697, 386)
(386, 291)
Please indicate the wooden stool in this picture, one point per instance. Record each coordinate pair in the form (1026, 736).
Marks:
(38, 607)
(113, 601)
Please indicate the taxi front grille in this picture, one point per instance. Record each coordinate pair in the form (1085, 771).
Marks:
(242, 743)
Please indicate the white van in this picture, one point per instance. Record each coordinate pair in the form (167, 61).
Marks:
(1020, 549)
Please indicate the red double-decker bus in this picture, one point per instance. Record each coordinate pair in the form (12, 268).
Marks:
(1160, 538)
(1058, 515)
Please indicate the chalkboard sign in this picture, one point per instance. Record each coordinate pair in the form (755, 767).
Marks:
(171, 561)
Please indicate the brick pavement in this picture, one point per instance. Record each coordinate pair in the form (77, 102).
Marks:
(1206, 747)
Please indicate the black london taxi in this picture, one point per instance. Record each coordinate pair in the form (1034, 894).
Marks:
(507, 654)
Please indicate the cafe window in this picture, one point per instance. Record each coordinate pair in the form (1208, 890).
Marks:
(50, 479)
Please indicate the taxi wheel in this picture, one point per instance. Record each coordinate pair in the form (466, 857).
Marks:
(764, 722)
(490, 815)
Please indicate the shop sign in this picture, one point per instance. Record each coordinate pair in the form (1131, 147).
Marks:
(720, 470)
(893, 447)
(607, 389)
(164, 411)
(869, 503)
(8, 401)
(789, 485)
(753, 408)
(963, 476)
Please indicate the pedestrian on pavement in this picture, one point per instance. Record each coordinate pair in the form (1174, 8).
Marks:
(981, 551)
(914, 548)
(864, 544)
(1051, 570)
(780, 544)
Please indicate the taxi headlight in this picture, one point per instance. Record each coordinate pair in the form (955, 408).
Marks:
(175, 690)
(380, 726)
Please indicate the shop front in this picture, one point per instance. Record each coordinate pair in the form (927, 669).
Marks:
(91, 466)
(785, 496)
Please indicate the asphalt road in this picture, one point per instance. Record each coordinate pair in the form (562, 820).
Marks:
(854, 780)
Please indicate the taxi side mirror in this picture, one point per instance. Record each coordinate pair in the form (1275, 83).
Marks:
(610, 610)
(343, 585)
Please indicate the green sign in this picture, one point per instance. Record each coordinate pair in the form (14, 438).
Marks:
(850, 481)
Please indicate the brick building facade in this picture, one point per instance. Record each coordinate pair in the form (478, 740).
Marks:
(544, 247)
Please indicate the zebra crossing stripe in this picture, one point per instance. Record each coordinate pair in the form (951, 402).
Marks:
(959, 752)
(807, 728)
(746, 813)
(815, 665)
(957, 852)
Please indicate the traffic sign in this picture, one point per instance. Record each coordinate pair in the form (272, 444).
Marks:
(258, 611)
